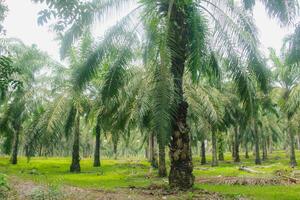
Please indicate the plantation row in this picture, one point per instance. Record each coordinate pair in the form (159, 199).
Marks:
(175, 77)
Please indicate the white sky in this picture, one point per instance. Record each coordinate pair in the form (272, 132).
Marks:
(21, 22)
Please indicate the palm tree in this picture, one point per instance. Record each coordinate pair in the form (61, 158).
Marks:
(185, 37)
(287, 78)
(64, 110)
(28, 61)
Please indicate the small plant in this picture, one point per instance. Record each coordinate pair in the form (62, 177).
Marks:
(4, 188)
(51, 192)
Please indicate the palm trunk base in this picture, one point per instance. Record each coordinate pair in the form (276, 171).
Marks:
(162, 171)
(75, 167)
(97, 163)
(181, 176)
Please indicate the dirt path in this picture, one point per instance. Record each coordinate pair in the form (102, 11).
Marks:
(28, 190)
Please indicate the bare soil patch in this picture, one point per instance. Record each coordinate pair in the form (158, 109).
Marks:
(23, 190)
(245, 180)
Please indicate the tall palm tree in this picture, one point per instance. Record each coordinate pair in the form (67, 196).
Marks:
(287, 78)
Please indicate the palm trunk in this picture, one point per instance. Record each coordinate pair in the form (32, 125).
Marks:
(236, 144)
(246, 150)
(220, 147)
(152, 151)
(203, 156)
(97, 162)
(181, 175)
(14, 155)
(214, 161)
(265, 153)
(232, 147)
(115, 141)
(75, 166)
(147, 154)
(162, 171)
(115, 149)
(270, 144)
(256, 138)
(293, 161)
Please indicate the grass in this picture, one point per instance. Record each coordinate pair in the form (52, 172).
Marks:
(114, 174)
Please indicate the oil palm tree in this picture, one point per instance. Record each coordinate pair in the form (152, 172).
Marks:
(64, 111)
(287, 78)
(21, 101)
(185, 31)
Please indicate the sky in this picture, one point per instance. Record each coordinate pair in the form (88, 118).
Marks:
(21, 22)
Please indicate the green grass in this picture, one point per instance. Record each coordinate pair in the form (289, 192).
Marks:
(124, 173)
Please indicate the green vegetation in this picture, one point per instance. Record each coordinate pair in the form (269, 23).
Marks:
(184, 78)
(114, 174)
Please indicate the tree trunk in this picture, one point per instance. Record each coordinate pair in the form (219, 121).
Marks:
(236, 144)
(115, 149)
(256, 138)
(221, 147)
(214, 161)
(115, 141)
(265, 153)
(246, 150)
(75, 166)
(162, 171)
(181, 175)
(97, 162)
(293, 161)
(147, 154)
(152, 151)
(232, 147)
(203, 156)
(270, 144)
(14, 155)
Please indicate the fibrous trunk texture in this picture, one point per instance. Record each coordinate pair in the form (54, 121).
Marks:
(75, 165)
(236, 145)
(152, 151)
(265, 153)
(220, 147)
(162, 170)
(97, 162)
(14, 155)
(246, 151)
(181, 175)
(203, 156)
(214, 161)
(256, 138)
(293, 161)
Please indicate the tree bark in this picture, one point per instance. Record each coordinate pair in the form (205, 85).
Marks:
(236, 144)
(14, 155)
(246, 150)
(256, 138)
(232, 147)
(181, 175)
(214, 161)
(265, 153)
(293, 161)
(75, 165)
(162, 170)
(97, 162)
(220, 147)
(152, 151)
(203, 156)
